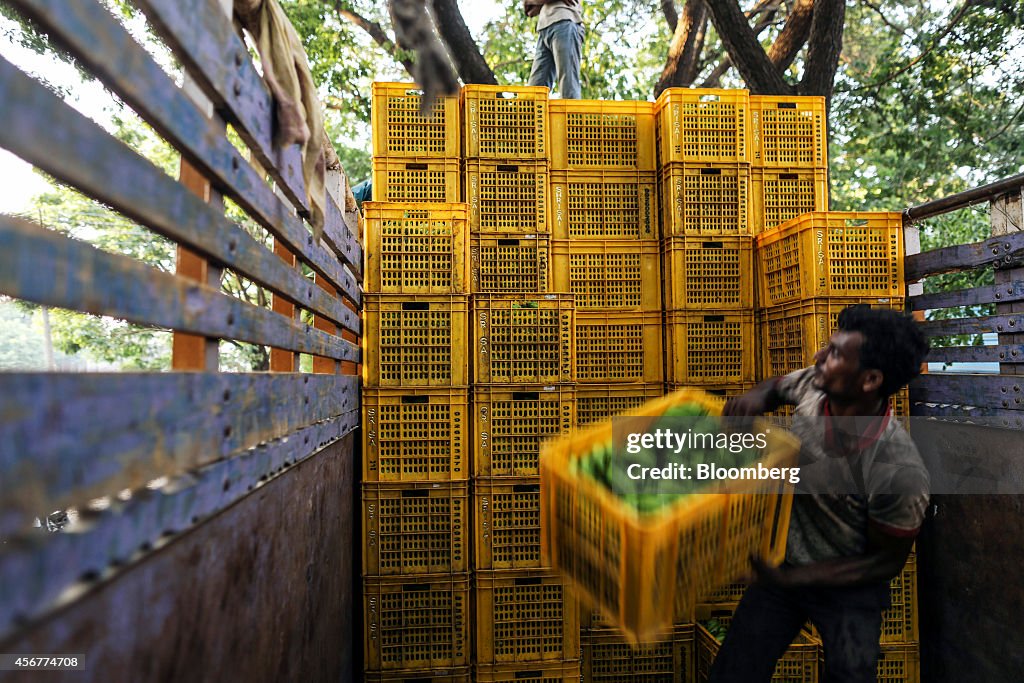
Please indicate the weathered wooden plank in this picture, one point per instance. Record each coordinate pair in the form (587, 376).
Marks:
(204, 39)
(977, 354)
(982, 391)
(979, 325)
(1003, 251)
(1008, 292)
(95, 38)
(44, 131)
(67, 437)
(340, 238)
(994, 417)
(46, 267)
(37, 568)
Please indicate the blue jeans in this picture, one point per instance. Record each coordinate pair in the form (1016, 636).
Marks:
(559, 51)
(768, 618)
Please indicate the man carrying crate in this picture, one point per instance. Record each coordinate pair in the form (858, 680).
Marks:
(847, 539)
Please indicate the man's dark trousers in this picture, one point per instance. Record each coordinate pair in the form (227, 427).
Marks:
(768, 619)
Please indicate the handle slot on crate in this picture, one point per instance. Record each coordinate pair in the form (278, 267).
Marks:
(532, 581)
(713, 245)
(525, 395)
(711, 171)
(415, 306)
(416, 167)
(526, 488)
(508, 243)
(786, 105)
(416, 493)
(412, 400)
(714, 318)
(507, 168)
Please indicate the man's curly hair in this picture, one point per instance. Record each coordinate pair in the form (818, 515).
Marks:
(893, 344)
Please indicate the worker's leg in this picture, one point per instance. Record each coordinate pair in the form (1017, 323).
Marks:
(850, 623)
(543, 72)
(567, 47)
(764, 624)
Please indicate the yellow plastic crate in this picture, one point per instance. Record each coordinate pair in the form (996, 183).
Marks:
(802, 662)
(899, 622)
(399, 130)
(416, 180)
(597, 134)
(459, 675)
(619, 347)
(696, 124)
(705, 199)
(511, 422)
(508, 197)
(792, 333)
(777, 195)
(415, 435)
(788, 131)
(604, 205)
(513, 263)
(523, 338)
(832, 253)
(899, 663)
(530, 672)
(413, 529)
(708, 272)
(416, 623)
(415, 340)
(598, 402)
(525, 617)
(710, 347)
(505, 122)
(506, 523)
(643, 571)
(609, 658)
(608, 274)
(416, 248)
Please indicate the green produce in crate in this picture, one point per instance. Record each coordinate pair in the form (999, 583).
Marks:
(716, 628)
(649, 495)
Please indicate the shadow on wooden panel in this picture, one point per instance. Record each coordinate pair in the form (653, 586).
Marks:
(261, 592)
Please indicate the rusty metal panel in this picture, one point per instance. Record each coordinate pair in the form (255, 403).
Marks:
(263, 591)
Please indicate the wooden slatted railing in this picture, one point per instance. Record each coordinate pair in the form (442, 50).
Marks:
(212, 437)
(999, 398)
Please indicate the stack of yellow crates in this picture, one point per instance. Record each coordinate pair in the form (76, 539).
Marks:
(707, 250)
(789, 158)
(525, 618)
(416, 436)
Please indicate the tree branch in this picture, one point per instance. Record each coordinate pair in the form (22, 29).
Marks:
(713, 79)
(687, 43)
(760, 74)
(375, 31)
(793, 35)
(668, 8)
(462, 48)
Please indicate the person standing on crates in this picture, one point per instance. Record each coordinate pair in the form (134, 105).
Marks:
(845, 544)
(559, 45)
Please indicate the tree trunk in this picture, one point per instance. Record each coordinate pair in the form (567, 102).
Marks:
(760, 75)
(684, 50)
(462, 48)
(823, 49)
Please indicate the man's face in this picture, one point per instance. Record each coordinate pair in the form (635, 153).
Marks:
(837, 366)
